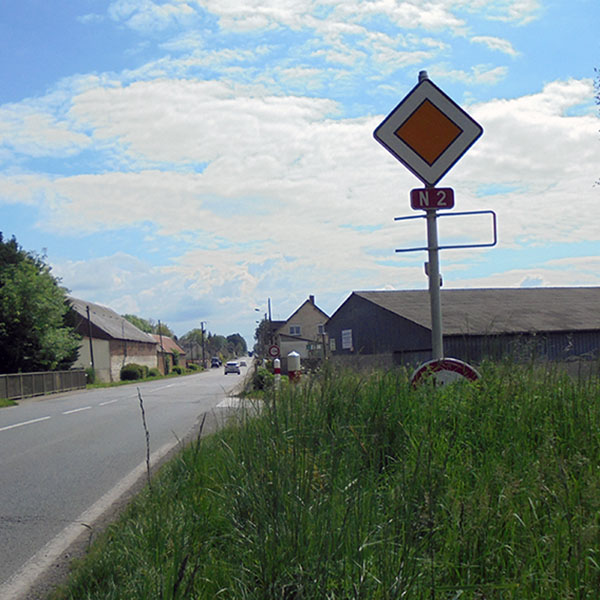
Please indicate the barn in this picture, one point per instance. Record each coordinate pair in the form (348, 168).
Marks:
(394, 327)
(109, 341)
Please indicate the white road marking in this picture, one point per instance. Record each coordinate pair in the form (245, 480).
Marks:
(75, 410)
(18, 585)
(109, 402)
(24, 423)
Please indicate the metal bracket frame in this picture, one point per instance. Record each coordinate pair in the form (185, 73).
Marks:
(454, 246)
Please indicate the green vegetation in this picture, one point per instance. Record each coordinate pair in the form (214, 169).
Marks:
(133, 372)
(361, 487)
(148, 325)
(35, 333)
(4, 402)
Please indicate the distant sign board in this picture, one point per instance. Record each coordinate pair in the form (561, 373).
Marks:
(274, 351)
(346, 339)
(428, 132)
(431, 198)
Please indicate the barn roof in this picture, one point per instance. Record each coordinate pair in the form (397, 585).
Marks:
(110, 322)
(498, 310)
(169, 345)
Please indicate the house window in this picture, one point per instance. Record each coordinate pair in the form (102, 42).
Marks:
(295, 330)
(321, 329)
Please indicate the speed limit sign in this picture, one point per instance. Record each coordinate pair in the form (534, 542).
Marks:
(274, 351)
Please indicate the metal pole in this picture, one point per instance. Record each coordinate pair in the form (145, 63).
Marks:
(203, 358)
(87, 308)
(270, 322)
(433, 271)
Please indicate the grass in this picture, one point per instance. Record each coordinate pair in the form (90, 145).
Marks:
(360, 487)
(4, 402)
(103, 384)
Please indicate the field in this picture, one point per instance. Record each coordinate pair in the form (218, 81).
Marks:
(350, 486)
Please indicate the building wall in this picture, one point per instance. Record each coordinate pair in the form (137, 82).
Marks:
(308, 318)
(123, 352)
(101, 349)
(374, 330)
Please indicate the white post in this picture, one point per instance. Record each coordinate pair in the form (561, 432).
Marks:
(277, 372)
(293, 366)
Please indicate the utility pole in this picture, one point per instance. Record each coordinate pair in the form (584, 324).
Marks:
(87, 309)
(202, 324)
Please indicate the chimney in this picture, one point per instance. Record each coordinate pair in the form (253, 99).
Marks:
(311, 299)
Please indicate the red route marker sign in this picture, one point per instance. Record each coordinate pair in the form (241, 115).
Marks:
(443, 371)
(431, 198)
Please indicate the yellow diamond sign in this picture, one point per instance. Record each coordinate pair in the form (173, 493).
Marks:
(428, 132)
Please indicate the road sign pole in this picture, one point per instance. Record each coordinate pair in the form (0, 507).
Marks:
(433, 271)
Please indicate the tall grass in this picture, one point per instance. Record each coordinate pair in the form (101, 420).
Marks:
(361, 487)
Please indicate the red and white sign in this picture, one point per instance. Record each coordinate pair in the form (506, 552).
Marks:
(274, 351)
(431, 198)
(428, 132)
(444, 370)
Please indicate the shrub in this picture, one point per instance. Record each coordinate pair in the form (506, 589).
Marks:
(177, 369)
(153, 372)
(263, 379)
(193, 367)
(90, 375)
(131, 372)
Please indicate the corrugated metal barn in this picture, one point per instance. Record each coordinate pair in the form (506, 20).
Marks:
(547, 323)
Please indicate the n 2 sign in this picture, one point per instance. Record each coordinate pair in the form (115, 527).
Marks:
(431, 198)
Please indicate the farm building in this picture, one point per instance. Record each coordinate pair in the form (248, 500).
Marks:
(169, 353)
(394, 327)
(112, 340)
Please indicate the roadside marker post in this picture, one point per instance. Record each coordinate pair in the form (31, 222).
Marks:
(428, 132)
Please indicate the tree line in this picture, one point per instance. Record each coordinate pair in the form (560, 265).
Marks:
(37, 325)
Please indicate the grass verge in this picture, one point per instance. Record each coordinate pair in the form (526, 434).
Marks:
(361, 487)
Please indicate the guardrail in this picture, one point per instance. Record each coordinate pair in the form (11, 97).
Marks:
(25, 385)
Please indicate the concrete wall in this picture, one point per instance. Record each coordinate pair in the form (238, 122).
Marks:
(101, 349)
(124, 352)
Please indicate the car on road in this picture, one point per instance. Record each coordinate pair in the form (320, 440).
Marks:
(215, 361)
(232, 367)
(242, 363)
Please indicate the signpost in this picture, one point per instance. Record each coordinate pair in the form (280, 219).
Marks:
(431, 198)
(428, 132)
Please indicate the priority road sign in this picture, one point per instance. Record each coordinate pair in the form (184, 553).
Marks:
(431, 198)
(428, 132)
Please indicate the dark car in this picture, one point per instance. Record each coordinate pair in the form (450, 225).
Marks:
(215, 361)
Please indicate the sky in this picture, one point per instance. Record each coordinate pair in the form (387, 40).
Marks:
(192, 161)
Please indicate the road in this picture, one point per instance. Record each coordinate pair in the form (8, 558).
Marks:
(65, 459)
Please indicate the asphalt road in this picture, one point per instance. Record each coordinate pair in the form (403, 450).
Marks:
(65, 458)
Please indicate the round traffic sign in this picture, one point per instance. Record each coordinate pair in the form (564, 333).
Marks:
(444, 370)
(274, 351)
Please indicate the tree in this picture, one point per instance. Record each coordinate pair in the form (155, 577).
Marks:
(35, 332)
(142, 324)
(148, 325)
(263, 337)
(236, 345)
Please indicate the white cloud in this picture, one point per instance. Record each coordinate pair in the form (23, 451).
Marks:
(478, 75)
(494, 43)
(27, 130)
(146, 15)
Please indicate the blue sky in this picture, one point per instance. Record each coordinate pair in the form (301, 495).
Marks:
(187, 160)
